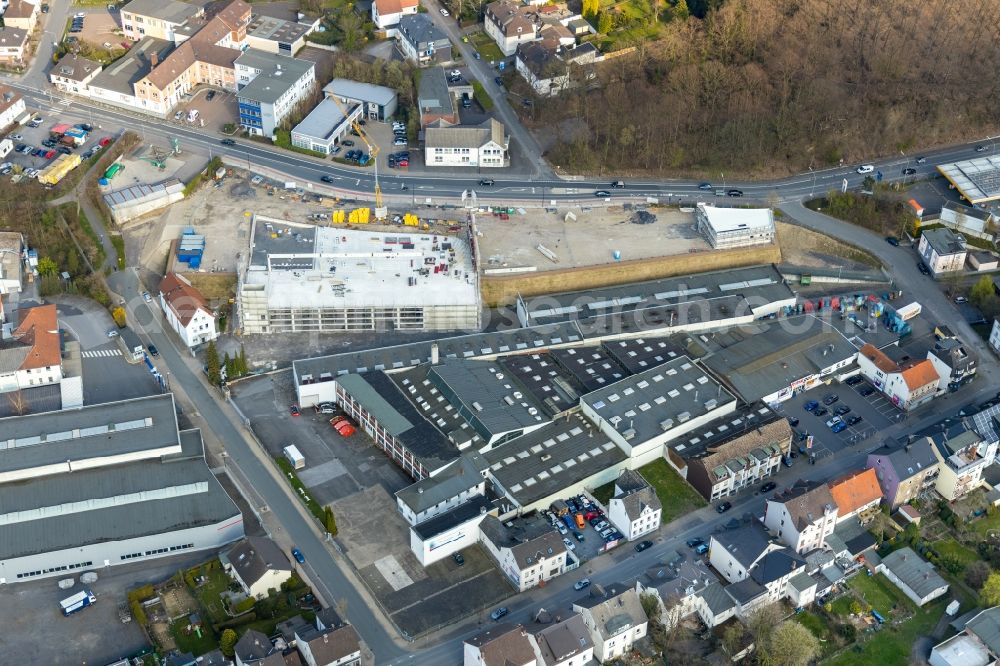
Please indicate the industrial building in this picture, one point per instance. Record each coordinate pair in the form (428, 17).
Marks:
(688, 303)
(104, 485)
(977, 180)
(303, 278)
(726, 228)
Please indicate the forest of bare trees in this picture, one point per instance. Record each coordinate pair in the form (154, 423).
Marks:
(775, 86)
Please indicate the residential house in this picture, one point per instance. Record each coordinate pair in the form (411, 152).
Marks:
(913, 575)
(734, 452)
(634, 508)
(74, 73)
(772, 573)
(904, 470)
(422, 42)
(156, 18)
(32, 355)
(115, 86)
(679, 583)
(21, 14)
(456, 484)
(978, 644)
(714, 605)
(434, 98)
(802, 516)
(13, 42)
(324, 645)
(386, 14)
(255, 649)
(962, 457)
(734, 552)
(565, 643)
(258, 565)
(510, 24)
(377, 102)
(907, 386)
(501, 645)
(942, 250)
(11, 107)
(955, 363)
(857, 494)
(186, 310)
(548, 67)
(614, 617)
(278, 84)
(529, 552)
(483, 145)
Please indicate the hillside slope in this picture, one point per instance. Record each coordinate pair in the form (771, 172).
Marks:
(773, 86)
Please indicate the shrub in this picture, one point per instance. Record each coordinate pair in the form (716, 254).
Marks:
(244, 605)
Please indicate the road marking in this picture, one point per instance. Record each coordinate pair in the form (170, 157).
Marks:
(101, 353)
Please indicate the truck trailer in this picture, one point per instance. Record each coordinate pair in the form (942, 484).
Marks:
(77, 602)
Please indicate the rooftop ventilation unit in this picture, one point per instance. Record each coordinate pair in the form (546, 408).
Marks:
(666, 424)
(477, 406)
(629, 434)
(509, 400)
(711, 404)
(683, 416)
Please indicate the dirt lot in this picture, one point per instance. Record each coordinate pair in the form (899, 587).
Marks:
(590, 239)
(100, 26)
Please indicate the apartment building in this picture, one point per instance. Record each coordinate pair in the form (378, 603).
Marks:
(802, 516)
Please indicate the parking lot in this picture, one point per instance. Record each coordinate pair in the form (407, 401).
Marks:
(29, 142)
(874, 409)
(336, 466)
(585, 542)
(95, 635)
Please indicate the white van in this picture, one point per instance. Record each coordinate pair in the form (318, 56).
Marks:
(192, 115)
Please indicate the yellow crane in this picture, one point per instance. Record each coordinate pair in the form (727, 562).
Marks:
(381, 211)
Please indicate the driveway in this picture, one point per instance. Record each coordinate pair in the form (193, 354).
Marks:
(531, 150)
(902, 264)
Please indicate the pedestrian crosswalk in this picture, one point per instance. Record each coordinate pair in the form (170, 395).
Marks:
(101, 353)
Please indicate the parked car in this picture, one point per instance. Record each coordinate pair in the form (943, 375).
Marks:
(892, 240)
(843, 409)
(459, 560)
(297, 554)
(768, 487)
(347, 142)
(497, 80)
(294, 410)
(498, 613)
(325, 408)
(643, 545)
(834, 421)
(821, 411)
(922, 267)
(581, 584)
(866, 391)
(830, 398)
(569, 544)
(961, 299)
(854, 379)
(153, 351)
(695, 542)
(48, 143)
(578, 535)
(792, 421)
(210, 96)
(444, 12)
(839, 427)
(854, 420)
(702, 549)
(724, 506)
(146, 297)
(602, 525)
(810, 406)
(65, 150)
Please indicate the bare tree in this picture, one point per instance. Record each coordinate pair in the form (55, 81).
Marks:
(18, 402)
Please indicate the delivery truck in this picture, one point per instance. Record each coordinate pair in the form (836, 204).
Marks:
(297, 459)
(77, 602)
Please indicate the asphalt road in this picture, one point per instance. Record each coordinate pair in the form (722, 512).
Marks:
(320, 566)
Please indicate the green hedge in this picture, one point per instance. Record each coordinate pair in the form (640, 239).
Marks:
(300, 488)
(480, 93)
(283, 139)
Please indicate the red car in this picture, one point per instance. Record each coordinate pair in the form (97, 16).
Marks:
(343, 426)
(590, 514)
(50, 154)
(294, 409)
(105, 141)
(403, 163)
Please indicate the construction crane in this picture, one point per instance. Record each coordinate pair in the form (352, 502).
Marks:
(381, 211)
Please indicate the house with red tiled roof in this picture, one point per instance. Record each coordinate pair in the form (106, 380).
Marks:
(907, 386)
(857, 494)
(31, 355)
(387, 13)
(21, 14)
(186, 310)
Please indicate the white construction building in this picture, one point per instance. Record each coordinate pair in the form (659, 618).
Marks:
(725, 228)
(306, 278)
